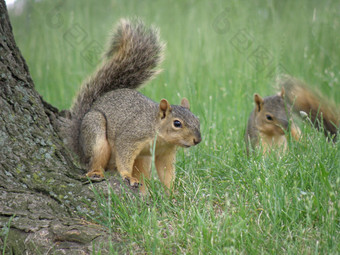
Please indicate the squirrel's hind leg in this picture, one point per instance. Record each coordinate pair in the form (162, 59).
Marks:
(100, 158)
(94, 143)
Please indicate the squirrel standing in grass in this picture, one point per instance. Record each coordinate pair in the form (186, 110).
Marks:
(270, 121)
(113, 126)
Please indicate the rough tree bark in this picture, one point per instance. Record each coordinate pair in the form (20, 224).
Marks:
(41, 190)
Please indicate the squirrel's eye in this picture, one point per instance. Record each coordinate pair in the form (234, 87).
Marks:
(269, 117)
(177, 124)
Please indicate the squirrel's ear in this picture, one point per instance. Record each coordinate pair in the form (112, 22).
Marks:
(185, 103)
(282, 93)
(164, 108)
(258, 101)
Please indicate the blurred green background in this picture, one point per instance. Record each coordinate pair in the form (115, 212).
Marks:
(218, 54)
(226, 50)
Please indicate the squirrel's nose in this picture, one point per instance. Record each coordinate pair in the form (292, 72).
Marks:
(197, 140)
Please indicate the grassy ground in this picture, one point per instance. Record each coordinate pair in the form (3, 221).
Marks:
(218, 55)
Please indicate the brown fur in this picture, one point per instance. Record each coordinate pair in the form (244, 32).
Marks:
(133, 124)
(100, 157)
(268, 123)
(141, 170)
(114, 126)
(131, 60)
(322, 112)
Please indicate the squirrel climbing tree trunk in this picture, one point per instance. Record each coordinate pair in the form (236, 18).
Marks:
(41, 191)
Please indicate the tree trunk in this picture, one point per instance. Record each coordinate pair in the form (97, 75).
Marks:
(42, 193)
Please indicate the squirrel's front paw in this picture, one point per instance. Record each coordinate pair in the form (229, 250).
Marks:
(133, 182)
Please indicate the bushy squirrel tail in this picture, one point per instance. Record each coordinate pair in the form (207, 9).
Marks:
(132, 58)
(302, 98)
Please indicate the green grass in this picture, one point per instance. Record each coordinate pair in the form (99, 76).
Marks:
(224, 202)
(4, 234)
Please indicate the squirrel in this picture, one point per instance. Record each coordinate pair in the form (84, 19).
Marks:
(270, 121)
(113, 126)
